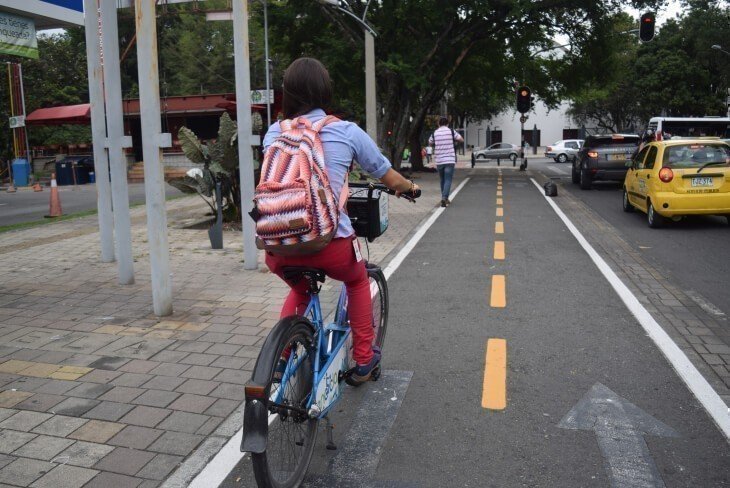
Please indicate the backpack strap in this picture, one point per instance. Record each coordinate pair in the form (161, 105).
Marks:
(345, 192)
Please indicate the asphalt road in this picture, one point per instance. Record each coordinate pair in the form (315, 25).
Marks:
(569, 341)
(690, 252)
(29, 206)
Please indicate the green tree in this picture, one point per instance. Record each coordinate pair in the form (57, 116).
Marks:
(426, 48)
(57, 77)
(676, 74)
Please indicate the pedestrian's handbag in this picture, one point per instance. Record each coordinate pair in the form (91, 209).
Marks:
(295, 211)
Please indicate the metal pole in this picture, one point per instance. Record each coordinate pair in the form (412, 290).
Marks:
(25, 127)
(371, 121)
(153, 140)
(266, 63)
(98, 130)
(243, 104)
(465, 138)
(116, 141)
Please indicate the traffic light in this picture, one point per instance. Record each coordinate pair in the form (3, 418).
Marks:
(524, 99)
(646, 27)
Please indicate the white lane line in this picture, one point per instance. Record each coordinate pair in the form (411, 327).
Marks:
(687, 371)
(230, 455)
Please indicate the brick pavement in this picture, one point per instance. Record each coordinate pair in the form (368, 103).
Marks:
(704, 336)
(97, 391)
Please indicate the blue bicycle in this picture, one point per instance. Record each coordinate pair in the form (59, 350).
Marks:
(299, 374)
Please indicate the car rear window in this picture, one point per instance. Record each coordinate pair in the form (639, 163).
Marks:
(614, 140)
(696, 155)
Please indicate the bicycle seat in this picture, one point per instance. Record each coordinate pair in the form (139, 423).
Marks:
(295, 273)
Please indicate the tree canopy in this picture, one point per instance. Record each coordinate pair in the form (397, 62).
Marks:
(468, 52)
(676, 74)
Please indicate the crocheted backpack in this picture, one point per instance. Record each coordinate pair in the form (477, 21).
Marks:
(295, 211)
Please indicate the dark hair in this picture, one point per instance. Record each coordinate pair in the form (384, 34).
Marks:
(307, 86)
(443, 121)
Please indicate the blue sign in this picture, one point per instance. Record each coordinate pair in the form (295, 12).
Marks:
(77, 5)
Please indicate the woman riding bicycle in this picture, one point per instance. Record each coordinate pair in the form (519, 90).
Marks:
(308, 93)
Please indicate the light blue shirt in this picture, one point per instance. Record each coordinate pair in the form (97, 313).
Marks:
(342, 143)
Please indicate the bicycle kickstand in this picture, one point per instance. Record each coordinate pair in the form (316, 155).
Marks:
(329, 428)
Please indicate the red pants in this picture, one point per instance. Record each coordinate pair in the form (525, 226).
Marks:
(338, 261)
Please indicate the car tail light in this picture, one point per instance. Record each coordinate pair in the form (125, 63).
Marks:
(593, 154)
(666, 174)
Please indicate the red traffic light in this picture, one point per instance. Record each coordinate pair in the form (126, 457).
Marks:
(524, 99)
(646, 27)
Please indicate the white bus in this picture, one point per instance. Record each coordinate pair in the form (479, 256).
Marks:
(667, 127)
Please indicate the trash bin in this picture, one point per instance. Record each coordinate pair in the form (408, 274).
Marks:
(92, 177)
(82, 173)
(64, 175)
(21, 172)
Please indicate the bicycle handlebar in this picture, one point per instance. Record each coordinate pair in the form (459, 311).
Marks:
(408, 195)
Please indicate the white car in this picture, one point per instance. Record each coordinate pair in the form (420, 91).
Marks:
(565, 150)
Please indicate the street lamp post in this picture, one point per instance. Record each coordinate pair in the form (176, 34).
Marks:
(719, 48)
(371, 123)
(266, 65)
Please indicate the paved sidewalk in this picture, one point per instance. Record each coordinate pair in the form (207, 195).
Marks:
(95, 390)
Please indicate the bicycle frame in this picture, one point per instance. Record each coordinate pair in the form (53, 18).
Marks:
(331, 357)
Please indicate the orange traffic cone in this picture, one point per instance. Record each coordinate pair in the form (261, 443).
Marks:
(37, 187)
(55, 210)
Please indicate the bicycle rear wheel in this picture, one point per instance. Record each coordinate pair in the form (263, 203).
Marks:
(291, 433)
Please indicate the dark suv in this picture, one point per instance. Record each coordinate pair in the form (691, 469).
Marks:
(603, 158)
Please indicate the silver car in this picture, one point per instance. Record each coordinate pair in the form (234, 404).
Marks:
(564, 150)
(498, 151)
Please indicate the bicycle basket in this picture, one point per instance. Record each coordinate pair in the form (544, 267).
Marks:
(367, 208)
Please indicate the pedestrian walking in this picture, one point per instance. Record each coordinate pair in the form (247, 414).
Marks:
(443, 142)
(429, 154)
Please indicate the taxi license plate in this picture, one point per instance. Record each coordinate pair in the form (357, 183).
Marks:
(616, 157)
(705, 181)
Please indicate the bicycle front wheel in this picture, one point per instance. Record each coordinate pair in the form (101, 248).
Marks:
(379, 292)
(291, 433)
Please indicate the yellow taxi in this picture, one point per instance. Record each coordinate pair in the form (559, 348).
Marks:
(678, 177)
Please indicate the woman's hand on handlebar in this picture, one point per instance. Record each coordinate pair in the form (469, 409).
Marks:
(400, 185)
(411, 194)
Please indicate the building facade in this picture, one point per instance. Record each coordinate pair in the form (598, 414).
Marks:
(552, 125)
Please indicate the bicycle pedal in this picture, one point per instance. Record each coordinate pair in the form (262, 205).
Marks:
(375, 375)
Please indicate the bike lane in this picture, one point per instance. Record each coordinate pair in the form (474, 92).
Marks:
(571, 346)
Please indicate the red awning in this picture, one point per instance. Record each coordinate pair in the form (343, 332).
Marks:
(68, 114)
(230, 106)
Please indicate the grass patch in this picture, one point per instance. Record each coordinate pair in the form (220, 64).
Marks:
(36, 223)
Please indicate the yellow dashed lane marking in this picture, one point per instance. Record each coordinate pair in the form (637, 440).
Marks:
(499, 193)
(494, 391)
(499, 227)
(498, 297)
(498, 249)
(500, 212)
(499, 201)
